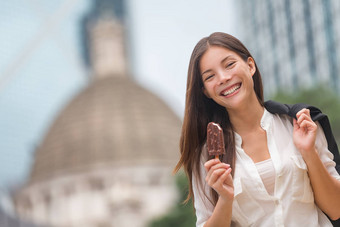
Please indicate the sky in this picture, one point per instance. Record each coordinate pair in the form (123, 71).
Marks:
(41, 67)
(164, 34)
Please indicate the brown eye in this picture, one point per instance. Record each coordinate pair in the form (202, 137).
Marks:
(209, 77)
(230, 64)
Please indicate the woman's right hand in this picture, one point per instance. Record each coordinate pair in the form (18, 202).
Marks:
(220, 179)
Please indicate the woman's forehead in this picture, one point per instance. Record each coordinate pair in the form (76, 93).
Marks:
(215, 55)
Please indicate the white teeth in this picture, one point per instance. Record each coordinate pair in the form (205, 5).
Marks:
(231, 90)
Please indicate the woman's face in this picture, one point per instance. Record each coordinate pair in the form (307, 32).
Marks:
(227, 78)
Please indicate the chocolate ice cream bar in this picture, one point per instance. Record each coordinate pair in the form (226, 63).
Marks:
(215, 139)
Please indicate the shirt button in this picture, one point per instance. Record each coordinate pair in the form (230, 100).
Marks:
(277, 202)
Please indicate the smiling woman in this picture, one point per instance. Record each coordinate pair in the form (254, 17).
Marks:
(274, 164)
(224, 77)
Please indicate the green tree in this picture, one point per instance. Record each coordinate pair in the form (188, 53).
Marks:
(320, 96)
(181, 215)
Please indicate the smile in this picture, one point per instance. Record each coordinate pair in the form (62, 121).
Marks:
(231, 90)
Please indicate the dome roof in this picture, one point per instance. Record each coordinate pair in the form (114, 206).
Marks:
(113, 121)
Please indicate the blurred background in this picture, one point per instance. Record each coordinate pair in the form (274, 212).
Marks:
(92, 97)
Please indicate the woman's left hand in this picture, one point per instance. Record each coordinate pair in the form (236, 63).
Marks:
(304, 134)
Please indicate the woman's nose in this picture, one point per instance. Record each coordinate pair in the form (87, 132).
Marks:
(223, 77)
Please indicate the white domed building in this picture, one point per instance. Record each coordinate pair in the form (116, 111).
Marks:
(108, 157)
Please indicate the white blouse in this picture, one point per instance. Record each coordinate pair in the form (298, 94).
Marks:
(292, 201)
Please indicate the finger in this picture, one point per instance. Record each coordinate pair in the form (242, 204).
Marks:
(309, 125)
(217, 166)
(225, 176)
(303, 114)
(303, 111)
(296, 125)
(210, 163)
(214, 176)
(213, 164)
(220, 165)
(222, 180)
(303, 117)
(221, 177)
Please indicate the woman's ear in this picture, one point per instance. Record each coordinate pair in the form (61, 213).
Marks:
(206, 93)
(251, 64)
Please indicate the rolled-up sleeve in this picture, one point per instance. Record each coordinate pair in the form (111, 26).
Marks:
(203, 206)
(325, 155)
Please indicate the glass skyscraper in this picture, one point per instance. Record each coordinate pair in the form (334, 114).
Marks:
(295, 43)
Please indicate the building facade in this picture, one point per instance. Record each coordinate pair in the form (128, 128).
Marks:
(107, 158)
(295, 43)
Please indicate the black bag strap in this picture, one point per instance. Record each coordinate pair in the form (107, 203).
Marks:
(317, 115)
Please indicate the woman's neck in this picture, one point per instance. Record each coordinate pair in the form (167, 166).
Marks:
(246, 119)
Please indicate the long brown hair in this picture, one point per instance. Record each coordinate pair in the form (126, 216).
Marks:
(200, 110)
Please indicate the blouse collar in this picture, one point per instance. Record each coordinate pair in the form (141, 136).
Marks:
(266, 120)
